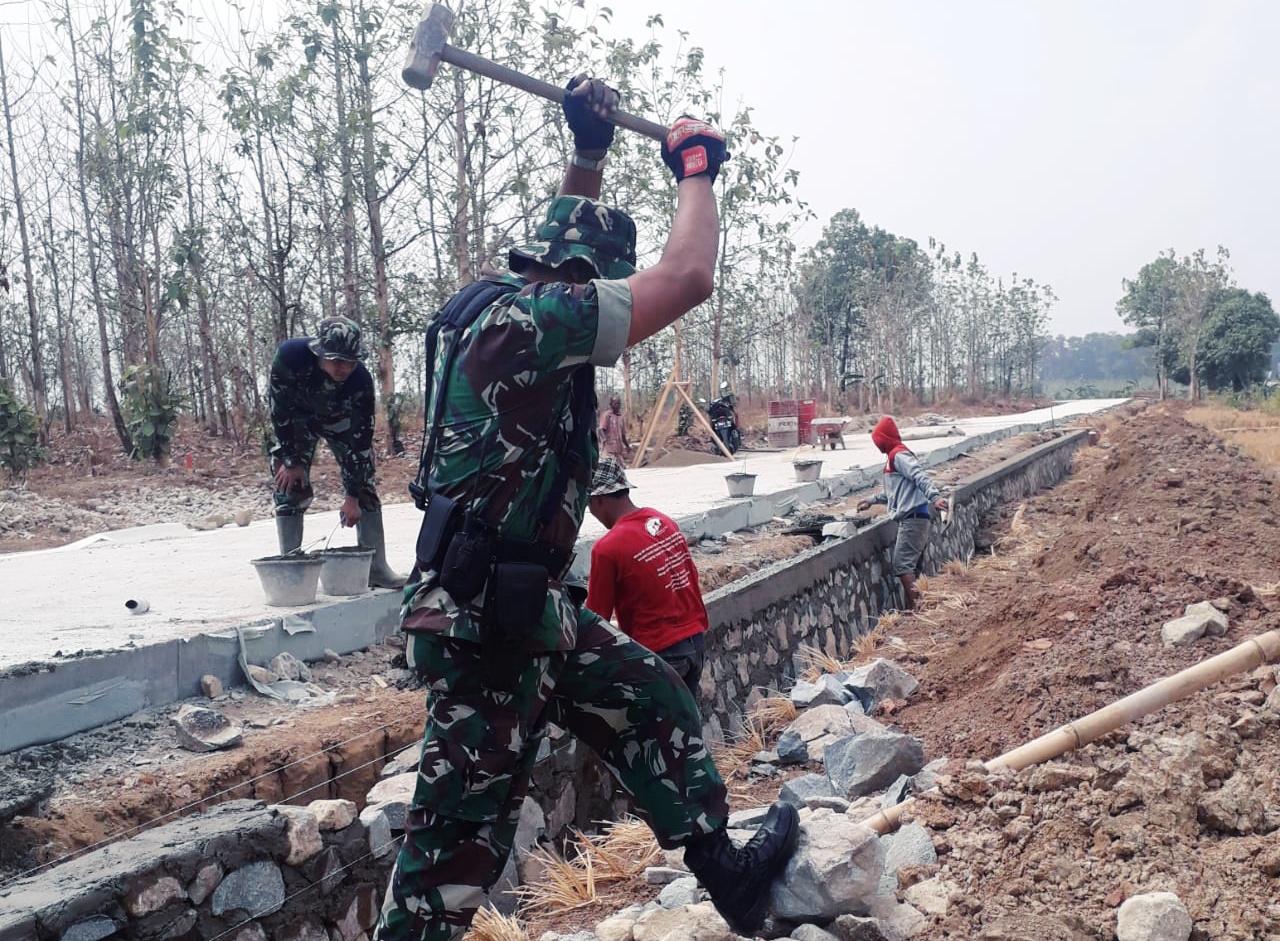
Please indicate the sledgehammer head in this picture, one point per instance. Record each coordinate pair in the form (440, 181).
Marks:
(427, 46)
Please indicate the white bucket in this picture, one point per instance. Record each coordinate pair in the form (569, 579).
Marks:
(289, 580)
(807, 471)
(740, 484)
(346, 570)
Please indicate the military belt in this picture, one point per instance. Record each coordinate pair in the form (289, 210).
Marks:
(553, 558)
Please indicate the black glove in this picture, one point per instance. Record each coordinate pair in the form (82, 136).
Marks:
(590, 131)
(694, 147)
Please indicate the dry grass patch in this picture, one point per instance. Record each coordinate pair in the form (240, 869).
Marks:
(615, 856)
(1256, 433)
(491, 925)
(762, 723)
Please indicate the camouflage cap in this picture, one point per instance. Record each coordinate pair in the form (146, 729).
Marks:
(578, 227)
(609, 478)
(338, 338)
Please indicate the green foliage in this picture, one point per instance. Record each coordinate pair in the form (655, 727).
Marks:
(1109, 357)
(150, 408)
(1240, 329)
(20, 448)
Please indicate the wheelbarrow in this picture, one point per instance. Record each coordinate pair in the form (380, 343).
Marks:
(829, 432)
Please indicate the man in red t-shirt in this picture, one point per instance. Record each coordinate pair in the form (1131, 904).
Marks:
(643, 578)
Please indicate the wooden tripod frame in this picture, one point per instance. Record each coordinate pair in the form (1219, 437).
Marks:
(681, 388)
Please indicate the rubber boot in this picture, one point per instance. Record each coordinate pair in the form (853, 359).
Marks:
(738, 878)
(289, 532)
(369, 533)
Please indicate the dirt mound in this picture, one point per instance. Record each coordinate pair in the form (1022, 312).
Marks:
(1061, 617)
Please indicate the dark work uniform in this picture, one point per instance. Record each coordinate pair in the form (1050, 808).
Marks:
(306, 405)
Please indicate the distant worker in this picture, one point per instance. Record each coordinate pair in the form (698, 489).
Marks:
(320, 389)
(908, 491)
(641, 570)
(613, 432)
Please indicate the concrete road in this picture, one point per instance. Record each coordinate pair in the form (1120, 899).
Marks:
(60, 602)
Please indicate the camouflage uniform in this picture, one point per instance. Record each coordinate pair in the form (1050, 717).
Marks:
(306, 405)
(506, 419)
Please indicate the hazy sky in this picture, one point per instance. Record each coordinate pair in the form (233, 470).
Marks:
(1069, 141)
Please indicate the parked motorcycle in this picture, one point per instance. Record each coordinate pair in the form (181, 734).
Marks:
(724, 422)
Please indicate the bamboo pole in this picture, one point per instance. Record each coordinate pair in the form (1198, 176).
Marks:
(1264, 648)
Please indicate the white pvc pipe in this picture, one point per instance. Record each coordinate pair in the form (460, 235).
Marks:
(137, 606)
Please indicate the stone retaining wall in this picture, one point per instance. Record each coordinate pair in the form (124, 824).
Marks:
(832, 594)
(246, 871)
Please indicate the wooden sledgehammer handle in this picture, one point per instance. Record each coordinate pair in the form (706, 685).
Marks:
(500, 73)
(428, 49)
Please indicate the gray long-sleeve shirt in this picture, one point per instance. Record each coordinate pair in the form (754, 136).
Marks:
(907, 487)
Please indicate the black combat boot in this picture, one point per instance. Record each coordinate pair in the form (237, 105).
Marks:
(738, 878)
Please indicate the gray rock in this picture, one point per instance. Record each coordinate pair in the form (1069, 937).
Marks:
(200, 729)
(333, 815)
(858, 928)
(806, 695)
(257, 888)
(931, 896)
(1155, 916)
(152, 895)
(394, 795)
(1215, 621)
(699, 922)
(377, 825)
(811, 933)
(871, 761)
(898, 921)
(91, 929)
(799, 791)
(748, 819)
(791, 749)
(822, 725)
(840, 694)
(896, 792)
(303, 832)
(211, 686)
(304, 930)
(884, 678)
(683, 891)
(288, 667)
(1182, 631)
(909, 845)
(835, 870)
(206, 880)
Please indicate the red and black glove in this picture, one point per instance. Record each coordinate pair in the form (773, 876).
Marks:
(582, 112)
(694, 147)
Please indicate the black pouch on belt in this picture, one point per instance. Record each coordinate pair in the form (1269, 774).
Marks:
(513, 605)
(467, 562)
(440, 522)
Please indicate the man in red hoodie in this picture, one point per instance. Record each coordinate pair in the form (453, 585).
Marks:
(908, 491)
(643, 577)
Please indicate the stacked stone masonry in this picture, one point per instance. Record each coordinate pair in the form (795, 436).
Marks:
(250, 871)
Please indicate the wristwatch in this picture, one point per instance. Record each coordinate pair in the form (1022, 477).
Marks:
(587, 163)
